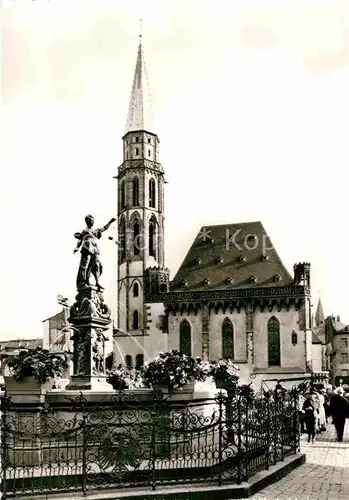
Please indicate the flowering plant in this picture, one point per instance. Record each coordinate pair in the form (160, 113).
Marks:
(173, 369)
(124, 378)
(224, 371)
(38, 363)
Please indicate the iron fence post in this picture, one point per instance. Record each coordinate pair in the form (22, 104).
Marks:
(153, 447)
(296, 424)
(281, 418)
(247, 447)
(220, 437)
(268, 432)
(84, 438)
(276, 428)
(3, 441)
(239, 453)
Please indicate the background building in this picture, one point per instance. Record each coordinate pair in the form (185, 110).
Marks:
(232, 296)
(337, 340)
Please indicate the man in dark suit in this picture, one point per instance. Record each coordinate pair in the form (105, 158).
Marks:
(339, 410)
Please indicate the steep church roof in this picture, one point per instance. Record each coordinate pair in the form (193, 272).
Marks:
(319, 315)
(140, 113)
(315, 339)
(231, 256)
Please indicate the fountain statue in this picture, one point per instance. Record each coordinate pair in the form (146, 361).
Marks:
(89, 315)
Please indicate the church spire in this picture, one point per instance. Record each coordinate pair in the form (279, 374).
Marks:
(139, 111)
(319, 315)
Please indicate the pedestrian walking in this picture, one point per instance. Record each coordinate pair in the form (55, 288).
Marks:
(301, 414)
(339, 411)
(309, 418)
(322, 413)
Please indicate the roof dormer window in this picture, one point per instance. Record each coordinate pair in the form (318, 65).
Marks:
(184, 283)
(197, 261)
(229, 280)
(251, 238)
(277, 277)
(206, 282)
(242, 258)
(265, 257)
(219, 259)
(253, 279)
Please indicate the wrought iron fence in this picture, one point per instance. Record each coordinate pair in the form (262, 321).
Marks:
(129, 443)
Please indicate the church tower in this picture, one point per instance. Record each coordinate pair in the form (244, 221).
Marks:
(140, 213)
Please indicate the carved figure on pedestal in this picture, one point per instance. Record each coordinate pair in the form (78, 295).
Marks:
(81, 351)
(98, 352)
(90, 262)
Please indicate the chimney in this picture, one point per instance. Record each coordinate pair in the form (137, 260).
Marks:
(338, 318)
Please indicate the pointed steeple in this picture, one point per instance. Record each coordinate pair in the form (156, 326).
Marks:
(319, 315)
(139, 111)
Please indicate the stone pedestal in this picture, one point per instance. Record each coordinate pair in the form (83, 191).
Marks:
(90, 319)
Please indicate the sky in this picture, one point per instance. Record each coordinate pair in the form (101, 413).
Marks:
(251, 106)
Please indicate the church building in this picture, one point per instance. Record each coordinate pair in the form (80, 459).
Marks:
(232, 297)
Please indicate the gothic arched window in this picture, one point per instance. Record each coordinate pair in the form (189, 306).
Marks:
(136, 237)
(128, 361)
(185, 338)
(122, 195)
(139, 361)
(135, 192)
(152, 231)
(135, 290)
(227, 339)
(294, 338)
(152, 193)
(274, 356)
(135, 320)
(122, 237)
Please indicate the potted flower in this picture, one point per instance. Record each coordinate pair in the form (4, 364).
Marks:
(224, 373)
(33, 371)
(173, 370)
(124, 378)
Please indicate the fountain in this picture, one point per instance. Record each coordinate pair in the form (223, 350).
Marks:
(90, 317)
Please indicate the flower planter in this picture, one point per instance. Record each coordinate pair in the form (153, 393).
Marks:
(228, 386)
(118, 386)
(184, 393)
(27, 390)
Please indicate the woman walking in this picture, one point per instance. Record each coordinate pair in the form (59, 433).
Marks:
(322, 413)
(309, 418)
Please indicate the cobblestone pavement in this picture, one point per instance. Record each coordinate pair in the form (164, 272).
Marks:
(324, 476)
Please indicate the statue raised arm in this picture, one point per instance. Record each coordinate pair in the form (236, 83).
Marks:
(90, 262)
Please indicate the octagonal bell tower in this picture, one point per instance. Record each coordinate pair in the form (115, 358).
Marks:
(140, 207)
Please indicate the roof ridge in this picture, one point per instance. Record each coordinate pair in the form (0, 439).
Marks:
(232, 224)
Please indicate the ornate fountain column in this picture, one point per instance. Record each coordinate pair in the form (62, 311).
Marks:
(90, 317)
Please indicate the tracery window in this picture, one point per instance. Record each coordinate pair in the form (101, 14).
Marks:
(135, 192)
(274, 356)
(128, 361)
(152, 193)
(135, 320)
(185, 338)
(152, 229)
(139, 361)
(122, 235)
(136, 238)
(227, 339)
